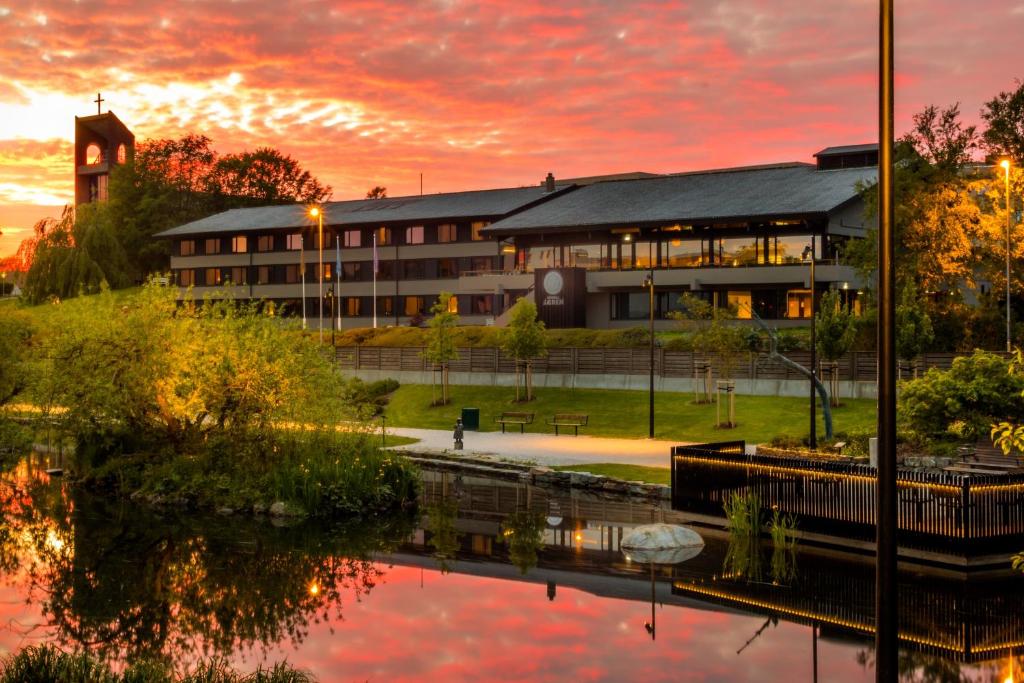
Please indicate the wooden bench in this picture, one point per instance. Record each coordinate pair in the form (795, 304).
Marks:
(574, 420)
(521, 419)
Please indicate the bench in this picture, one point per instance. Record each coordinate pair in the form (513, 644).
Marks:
(521, 419)
(574, 420)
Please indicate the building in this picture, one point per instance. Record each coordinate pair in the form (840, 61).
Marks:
(101, 142)
(582, 249)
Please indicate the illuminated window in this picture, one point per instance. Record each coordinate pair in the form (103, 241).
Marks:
(476, 227)
(328, 270)
(239, 244)
(93, 155)
(798, 303)
(212, 277)
(741, 302)
(352, 238)
(680, 253)
(294, 242)
(353, 306)
(187, 247)
(414, 305)
(414, 234)
(122, 154)
(453, 304)
(240, 275)
(265, 243)
(447, 232)
(186, 278)
(212, 246)
(383, 236)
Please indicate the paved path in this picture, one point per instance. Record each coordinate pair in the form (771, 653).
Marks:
(543, 449)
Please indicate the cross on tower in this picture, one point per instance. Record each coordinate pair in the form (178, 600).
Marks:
(98, 101)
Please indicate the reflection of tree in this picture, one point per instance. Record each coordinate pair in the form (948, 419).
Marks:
(743, 557)
(128, 584)
(444, 537)
(917, 667)
(524, 533)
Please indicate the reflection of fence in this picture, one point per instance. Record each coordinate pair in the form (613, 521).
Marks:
(941, 510)
(857, 366)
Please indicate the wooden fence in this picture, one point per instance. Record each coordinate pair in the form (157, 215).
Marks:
(937, 510)
(859, 366)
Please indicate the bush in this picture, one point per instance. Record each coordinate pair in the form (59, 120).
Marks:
(962, 403)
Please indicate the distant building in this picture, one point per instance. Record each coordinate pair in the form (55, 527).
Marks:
(582, 250)
(101, 142)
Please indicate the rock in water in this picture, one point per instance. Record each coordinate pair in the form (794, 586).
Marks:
(662, 544)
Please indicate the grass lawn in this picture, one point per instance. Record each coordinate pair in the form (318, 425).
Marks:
(651, 475)
(624, 413)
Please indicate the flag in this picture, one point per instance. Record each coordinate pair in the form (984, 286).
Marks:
(337, 259)
(302, 259)
(375, 260)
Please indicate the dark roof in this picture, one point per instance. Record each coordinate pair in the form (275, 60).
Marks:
(429, 207)
(848, 149)
(742, 193)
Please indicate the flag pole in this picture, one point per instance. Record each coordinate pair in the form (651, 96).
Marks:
(302, 277)
(375, 279)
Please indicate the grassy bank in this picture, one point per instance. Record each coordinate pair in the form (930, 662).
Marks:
(649, 475)
(623, 414)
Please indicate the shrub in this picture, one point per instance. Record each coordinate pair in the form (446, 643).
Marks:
(961, 403)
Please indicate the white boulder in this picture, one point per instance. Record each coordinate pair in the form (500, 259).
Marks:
(661, 544)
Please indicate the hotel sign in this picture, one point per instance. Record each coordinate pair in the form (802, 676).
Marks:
(561, 294)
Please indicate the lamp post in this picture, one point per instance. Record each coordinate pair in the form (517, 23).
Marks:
(1005, 163)
(649, 284)
(3, 286)
(813, 440)
(318, 214)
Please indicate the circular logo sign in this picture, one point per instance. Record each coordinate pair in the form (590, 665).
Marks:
(553, 283)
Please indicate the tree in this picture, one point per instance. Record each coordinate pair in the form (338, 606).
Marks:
(17, 336)
(378, 192)
(913, 326)
(441, 339)
(836, 331)
(523, 340)
(266, 176)
(715, 335)
(1004, 115)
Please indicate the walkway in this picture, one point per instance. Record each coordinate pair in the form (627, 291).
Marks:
(542, 449)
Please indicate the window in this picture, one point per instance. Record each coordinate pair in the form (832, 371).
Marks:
(537, 257)
(383, 236)
(186, 278)
(790, 248)
(447, 232)
(476, 227)
(294, 242)
(481, 264)
(798, 303)
(453, 304)
(481, 304)
(735, 251)
(263, 275)
(412, 270)
(631, 306)
(212, 277)
(584, 256)
(646, 254)
(447, 267)
(353, 306)
(352, 272)
(240, 275)
(741, 301)
(212, 246)
(265, 243)
(352, 238)
(239, 244)
(414, 234)
(680, 253)
(385, 270)
(292, 273)
(328, 271)
(385, 306)
(414, 305)
(187, 247)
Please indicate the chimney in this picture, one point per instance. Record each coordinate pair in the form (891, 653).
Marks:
(549, 183)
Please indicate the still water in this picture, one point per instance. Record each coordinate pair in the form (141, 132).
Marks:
(495, 580)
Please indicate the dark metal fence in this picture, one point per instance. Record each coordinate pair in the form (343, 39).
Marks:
(858, 366)
(937, 510)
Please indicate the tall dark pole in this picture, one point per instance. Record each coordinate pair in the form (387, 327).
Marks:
(886, 614)
(650, 386)
(1006, 168)
(813, 441)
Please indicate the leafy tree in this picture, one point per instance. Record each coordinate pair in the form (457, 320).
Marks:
(1004, 115)
(17, 337)
(913, 326)
(378, 192)
(523, 530)
(266, 176)
(523, 339)
(836, 332)
(716, 335)
(440, 350)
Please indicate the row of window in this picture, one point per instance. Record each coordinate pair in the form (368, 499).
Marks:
(352, 271)
(352, 239)
(673, 252)
(771, 304)
(362, 306)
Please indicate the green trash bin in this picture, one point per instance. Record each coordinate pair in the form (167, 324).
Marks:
(471, 419)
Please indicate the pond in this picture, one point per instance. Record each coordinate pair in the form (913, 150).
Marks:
(495, 580)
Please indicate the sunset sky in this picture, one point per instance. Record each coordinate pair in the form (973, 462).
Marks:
(478, 94)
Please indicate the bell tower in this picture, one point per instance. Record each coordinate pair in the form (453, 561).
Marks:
(101, 141)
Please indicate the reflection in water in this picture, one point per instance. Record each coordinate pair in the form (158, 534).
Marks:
(533, 587)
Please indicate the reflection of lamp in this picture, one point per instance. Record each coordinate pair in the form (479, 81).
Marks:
(318, 214)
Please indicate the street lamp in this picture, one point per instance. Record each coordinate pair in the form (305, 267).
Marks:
(649, 284)
(1005, 163)
(3, 286)
(809, 254)
(316, 213)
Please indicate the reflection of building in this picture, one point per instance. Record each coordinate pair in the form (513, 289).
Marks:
(101, 141)
(733, 236)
